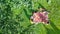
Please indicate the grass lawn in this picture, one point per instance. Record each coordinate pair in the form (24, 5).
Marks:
(23, 12)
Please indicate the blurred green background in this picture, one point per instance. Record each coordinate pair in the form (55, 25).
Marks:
(15, 16)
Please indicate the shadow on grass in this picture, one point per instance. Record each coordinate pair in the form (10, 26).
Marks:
(25, 11)
(55, 30)
(28, 16)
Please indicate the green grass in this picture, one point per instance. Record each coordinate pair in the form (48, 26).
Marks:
(20, 18)
(54, 16)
